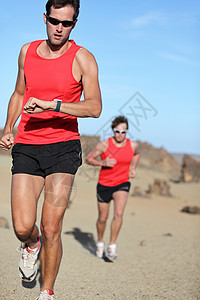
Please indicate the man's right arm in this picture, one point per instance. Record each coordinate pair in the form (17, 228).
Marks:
(15, 103)
(91, 159)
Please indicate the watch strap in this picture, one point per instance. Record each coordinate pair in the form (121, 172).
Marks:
(57, 109)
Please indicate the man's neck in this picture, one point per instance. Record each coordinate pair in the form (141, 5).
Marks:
(119, 143)
(49, 51)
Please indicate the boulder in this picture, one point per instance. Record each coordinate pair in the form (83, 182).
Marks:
(190, 169)
(138, 192)
(191, 209)
(159, 187)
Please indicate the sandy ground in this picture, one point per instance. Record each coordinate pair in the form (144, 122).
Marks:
(158, 246)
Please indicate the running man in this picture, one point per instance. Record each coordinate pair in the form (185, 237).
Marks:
(119, 158)
(47, 153)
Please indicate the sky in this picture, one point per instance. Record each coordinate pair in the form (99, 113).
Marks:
(148, 54)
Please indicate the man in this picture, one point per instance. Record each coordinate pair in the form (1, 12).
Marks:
(119, 158)
(47, 153)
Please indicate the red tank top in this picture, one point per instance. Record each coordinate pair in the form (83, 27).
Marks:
(120, 172)
(49, 79)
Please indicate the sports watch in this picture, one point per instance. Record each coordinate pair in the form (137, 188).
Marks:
(57, 109)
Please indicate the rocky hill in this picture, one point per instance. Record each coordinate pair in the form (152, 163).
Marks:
(158, 159)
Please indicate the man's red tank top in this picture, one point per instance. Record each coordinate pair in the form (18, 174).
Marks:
(120, 172)
(49, 79)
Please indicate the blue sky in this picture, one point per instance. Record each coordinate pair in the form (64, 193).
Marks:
(148, 54)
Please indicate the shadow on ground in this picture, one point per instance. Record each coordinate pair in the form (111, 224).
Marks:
(86, 239)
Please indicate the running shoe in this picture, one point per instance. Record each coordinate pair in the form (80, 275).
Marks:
(100, 249)
(46, 295)
(111, 251)
(28, 262)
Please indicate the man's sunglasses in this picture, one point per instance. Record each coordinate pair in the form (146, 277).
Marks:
(55, 22)
(120, 131)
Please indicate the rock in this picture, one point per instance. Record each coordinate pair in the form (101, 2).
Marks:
(143, 243)
(159, 187)
(191, 209)
(158, 159)
(138, 192)
(187, 176)
(4, 223)
(168, 234)
(190, 169)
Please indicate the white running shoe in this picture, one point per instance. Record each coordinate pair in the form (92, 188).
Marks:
(100, 249)
(28, 263)
(45, 296)
(111, 251)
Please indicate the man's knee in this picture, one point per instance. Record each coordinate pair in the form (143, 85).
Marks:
(23, 230)
(50, 232)
(118, 214)
(102, 219)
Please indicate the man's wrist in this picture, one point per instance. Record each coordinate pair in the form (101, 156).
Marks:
(7, 130)
(58, 104)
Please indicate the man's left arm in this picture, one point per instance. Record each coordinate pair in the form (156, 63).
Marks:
(135, 159)
(91, 106)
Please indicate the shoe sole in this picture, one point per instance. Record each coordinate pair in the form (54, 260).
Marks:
(27, 279)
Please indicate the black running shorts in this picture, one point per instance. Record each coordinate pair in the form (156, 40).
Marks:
(43, 160)
(105, 193)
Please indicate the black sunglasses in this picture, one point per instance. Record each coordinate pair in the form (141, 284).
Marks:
(55, 22)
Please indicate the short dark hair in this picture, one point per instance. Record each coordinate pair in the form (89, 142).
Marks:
(61, 3)
(118, 120)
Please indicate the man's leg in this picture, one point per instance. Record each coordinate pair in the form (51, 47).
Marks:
(57, 192)
(103, 210)
(120, 199)
(25, 193)
(26, 190)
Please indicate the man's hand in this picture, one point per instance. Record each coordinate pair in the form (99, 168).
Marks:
(34, 106)
(109, 162)
(7, 141)
(132, 173)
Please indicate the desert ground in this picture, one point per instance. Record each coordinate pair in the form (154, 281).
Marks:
(158, 246)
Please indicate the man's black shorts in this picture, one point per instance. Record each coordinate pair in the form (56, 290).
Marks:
(43, 160)
(105, 193)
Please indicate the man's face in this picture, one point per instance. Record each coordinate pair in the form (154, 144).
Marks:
(120, 132)
(58, 34)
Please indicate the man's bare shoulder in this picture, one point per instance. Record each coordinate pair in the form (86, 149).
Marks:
(23, 51)
(25, 48)
(85, 58)
(84, 53)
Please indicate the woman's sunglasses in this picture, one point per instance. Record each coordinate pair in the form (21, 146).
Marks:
(55, 22)
(120, 131)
